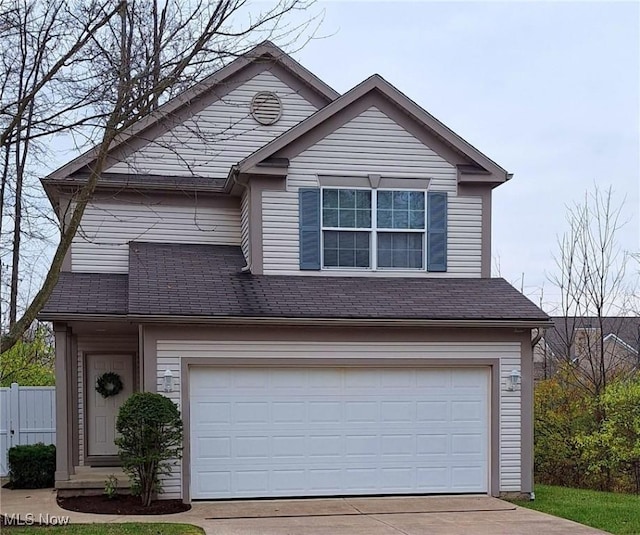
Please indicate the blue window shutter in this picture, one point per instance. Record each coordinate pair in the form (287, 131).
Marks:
(309, 212)
(436, 231)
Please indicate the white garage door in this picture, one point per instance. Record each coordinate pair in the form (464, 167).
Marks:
(258, 432)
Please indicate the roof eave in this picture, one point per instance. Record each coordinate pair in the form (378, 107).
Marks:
(293, 321)
(76, 316)
(54, 186)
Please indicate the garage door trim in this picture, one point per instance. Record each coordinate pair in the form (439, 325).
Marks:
(494, 394)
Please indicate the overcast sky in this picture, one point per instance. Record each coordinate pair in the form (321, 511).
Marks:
(550, 91)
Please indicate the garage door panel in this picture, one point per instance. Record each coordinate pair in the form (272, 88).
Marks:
(211, 482)
(213, 448)
(251, 379)
(434, 379)
(466, 411)
(288, 412)
(250, 481)
(292, 481)
(467, 477)
(398, 412)
(361, 445)
(325, 412)
(433, 479)
(204, 384)
(398, 378)
(432, 411)
(466, 379)
(325, 379)
(289, 447)
(323, 446)
(210, 413)
(278, 432)
(252, 448)
(432, 444)
(324, 479)
(251, 412)
(358, 412)
(467, 443)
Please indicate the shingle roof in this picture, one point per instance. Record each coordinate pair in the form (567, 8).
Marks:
(205, 280)
(88, 293)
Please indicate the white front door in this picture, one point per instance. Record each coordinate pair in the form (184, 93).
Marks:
(103, 412)
(266, 432)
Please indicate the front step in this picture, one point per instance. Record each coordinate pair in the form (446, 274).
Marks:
(90, 481)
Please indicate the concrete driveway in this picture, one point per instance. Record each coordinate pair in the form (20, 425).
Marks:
(414, 515)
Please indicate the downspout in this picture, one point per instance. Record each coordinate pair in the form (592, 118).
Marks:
(534, 343)
(536, 338)
(235, 177)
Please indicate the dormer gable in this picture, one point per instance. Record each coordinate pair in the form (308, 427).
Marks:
(472, 166)
(372, 137)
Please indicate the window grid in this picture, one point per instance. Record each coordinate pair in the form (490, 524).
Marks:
(373, 231)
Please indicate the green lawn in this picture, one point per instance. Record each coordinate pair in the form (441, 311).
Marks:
(109, 529)
(615, 513)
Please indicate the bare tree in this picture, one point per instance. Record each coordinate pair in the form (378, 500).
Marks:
(591, 276)
(111, 64)
(40, 43)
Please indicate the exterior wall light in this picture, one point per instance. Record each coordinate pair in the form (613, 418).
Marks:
(514, 380)
(168, 380)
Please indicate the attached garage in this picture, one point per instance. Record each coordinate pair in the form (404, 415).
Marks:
(322, 431)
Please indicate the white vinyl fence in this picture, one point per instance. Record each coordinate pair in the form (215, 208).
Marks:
(27, 416)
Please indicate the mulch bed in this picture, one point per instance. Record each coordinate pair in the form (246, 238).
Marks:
(121, 505)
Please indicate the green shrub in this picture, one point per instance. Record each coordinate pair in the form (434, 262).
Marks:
(586, 441)
(614, 448)
(32, 466)
(111, 487)
(562, 414)
(150, 441)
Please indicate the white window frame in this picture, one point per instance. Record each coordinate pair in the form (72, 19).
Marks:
(373, 231)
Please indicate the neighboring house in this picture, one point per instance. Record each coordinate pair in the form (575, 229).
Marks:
(307, 275)
(579, 342)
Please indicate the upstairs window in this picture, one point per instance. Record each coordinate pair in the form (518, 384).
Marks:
(373, 229)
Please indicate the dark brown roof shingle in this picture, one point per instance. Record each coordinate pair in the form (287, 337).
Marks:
(203, 280)
(88, 293)
(206, 280)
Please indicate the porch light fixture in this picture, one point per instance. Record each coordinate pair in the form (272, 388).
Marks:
(168, 380)
(513, 381)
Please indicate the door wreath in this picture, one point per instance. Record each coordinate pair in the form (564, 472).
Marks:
(109, 384)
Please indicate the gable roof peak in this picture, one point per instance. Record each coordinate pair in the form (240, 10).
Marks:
(480, 163)
(266, 48)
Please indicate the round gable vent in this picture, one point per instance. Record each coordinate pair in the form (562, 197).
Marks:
(266, 107)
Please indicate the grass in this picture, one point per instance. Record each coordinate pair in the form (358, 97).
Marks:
(615, 513)
(132, 528)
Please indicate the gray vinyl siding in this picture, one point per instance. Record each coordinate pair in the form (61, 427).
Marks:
(464, 239)
(170, 352)
(510, 426)
(280, 240)
(221, 135)
(372, 143)
(102, 243)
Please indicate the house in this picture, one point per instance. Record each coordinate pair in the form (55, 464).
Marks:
(580, 342)
(307, 275)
